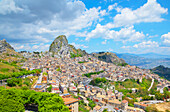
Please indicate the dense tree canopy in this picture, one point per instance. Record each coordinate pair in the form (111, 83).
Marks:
(14, 99)
(14, 81)
(10, 105)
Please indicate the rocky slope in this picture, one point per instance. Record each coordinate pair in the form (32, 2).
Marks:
(7, 53)
(60, 48)
(108, 57)
(4, 46)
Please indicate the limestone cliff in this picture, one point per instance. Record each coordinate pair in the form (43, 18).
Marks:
(60, 48)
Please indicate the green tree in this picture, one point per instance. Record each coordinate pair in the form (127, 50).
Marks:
(49, 88)
(92, 104)
(44, 73)
(159, 96)
(105, 110)
(146, 97)
(78, 91)
(24, 88)
(58, 69)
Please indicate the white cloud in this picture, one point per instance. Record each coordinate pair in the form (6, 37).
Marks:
(19, 47)
(110, 50)
(35, 47)
(45, 40)
(84, 20)
(147, 44)
(9, 6)
(111, 7)
(31, 47)
(152, 36)
(104, 42)
(40, 47)
(103, 12)
(166, 38)
(78, 45)
(41, 21)
(125, 47)
(149, 12)
(124, 34)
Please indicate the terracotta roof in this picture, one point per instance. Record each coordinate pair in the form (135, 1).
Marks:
(100, 96)
(124, 101)
(115, 101)
(55, 88)
(144, 105)
(69, 100)
(103, 102)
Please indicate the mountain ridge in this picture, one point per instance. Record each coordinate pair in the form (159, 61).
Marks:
(162, 71)
(109, 57)
(143, 62)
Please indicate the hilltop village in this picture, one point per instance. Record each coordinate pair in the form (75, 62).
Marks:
(67, 77)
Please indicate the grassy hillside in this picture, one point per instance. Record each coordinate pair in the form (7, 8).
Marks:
(131, 83)
(7, 68)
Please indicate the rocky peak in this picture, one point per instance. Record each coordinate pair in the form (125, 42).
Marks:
(4, 46)
(60, 47)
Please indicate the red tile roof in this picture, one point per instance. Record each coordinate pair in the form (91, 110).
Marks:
(124, 101)
(116, 108)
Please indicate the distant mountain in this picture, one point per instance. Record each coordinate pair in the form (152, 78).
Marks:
(143, 62)
(153, 56)
(4, 46)
(108, 57)
(162, 71)
(60, 47)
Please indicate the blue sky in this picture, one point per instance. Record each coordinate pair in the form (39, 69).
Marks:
(122, 26)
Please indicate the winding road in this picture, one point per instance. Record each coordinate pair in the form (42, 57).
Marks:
(151, 84)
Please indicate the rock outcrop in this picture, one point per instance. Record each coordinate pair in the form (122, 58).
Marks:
(4, 46)
(108, 57)
(60, 47)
